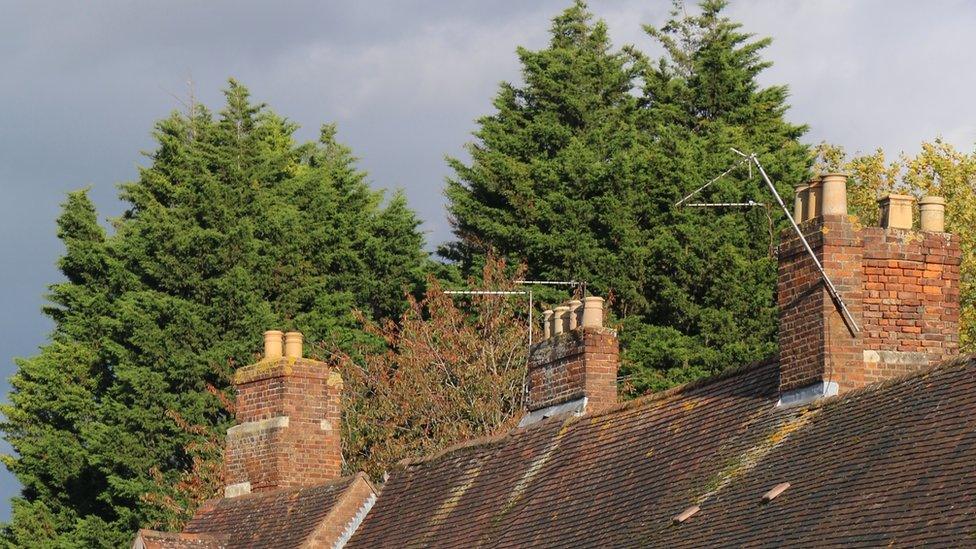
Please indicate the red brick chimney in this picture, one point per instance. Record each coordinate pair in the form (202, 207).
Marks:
(900, 285)
(574, 368)
(288, 414)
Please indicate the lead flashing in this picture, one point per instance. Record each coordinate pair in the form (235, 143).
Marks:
(575, 407)
(239, 489)
(808, 394)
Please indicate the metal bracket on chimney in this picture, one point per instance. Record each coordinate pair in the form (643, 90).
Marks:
(749, 160)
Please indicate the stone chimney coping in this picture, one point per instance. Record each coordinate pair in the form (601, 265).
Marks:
(249, 428)
(287, 367)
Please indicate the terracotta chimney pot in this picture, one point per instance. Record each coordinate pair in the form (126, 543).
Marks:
(814, 199)
(592, 312)
(272, 344)
(547, 324)
(896, 211)
(293, 345)
(559, 319)
(800, 201)
(932, 213)
(575, 308)
(834, 194)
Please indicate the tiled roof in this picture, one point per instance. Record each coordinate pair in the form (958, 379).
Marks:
(151, 539)
(889, 464)
(281, 518)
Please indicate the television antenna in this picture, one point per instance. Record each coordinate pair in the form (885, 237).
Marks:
(750, 160)
(499, 292)
(573, 283)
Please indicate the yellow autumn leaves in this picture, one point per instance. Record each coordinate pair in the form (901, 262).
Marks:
(937, 169)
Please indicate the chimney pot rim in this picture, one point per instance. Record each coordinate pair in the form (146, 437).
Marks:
(896, 197)
(933, 200)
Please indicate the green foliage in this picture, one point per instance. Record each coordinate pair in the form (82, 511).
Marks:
(232, 229)
(53, 399)
(577, 172)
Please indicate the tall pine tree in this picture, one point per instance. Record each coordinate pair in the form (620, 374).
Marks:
(233, 228)
(577, 173)
(53, 401)
(556, 172)
(711, 282)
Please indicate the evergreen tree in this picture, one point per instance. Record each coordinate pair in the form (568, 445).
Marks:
(712, 273)
(577, 175)
(556, 173)
(53, 401)
(233, 228)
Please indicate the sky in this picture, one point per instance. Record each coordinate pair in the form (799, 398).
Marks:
(83, 82)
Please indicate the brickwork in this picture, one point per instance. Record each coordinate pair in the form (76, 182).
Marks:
(901, 286)
(911, 291)
(571, 365)
(288, 413)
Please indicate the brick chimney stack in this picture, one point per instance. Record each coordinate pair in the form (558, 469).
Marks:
(574, 368)
(288, 414)
(900, 285)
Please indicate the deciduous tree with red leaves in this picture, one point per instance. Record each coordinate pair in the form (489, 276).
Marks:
(453, 369)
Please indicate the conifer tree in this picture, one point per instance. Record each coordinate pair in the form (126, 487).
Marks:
(53, 401)
(711, 279)
(556, 171)
(577, 173)
(232, 229)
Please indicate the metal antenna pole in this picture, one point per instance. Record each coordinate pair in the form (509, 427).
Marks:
(720, 176)
(550, 282)
(851, 324)
(499, 292)
(750, 204)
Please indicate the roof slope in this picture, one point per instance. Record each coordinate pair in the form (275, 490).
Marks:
(281, 518)
(888, 464)
(151, 539)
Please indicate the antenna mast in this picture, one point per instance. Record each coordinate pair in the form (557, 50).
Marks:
(499, 292)
(751, 159)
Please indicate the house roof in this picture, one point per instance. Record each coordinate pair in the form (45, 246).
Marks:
(281, 518)
(891, 463)
(151, 539)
